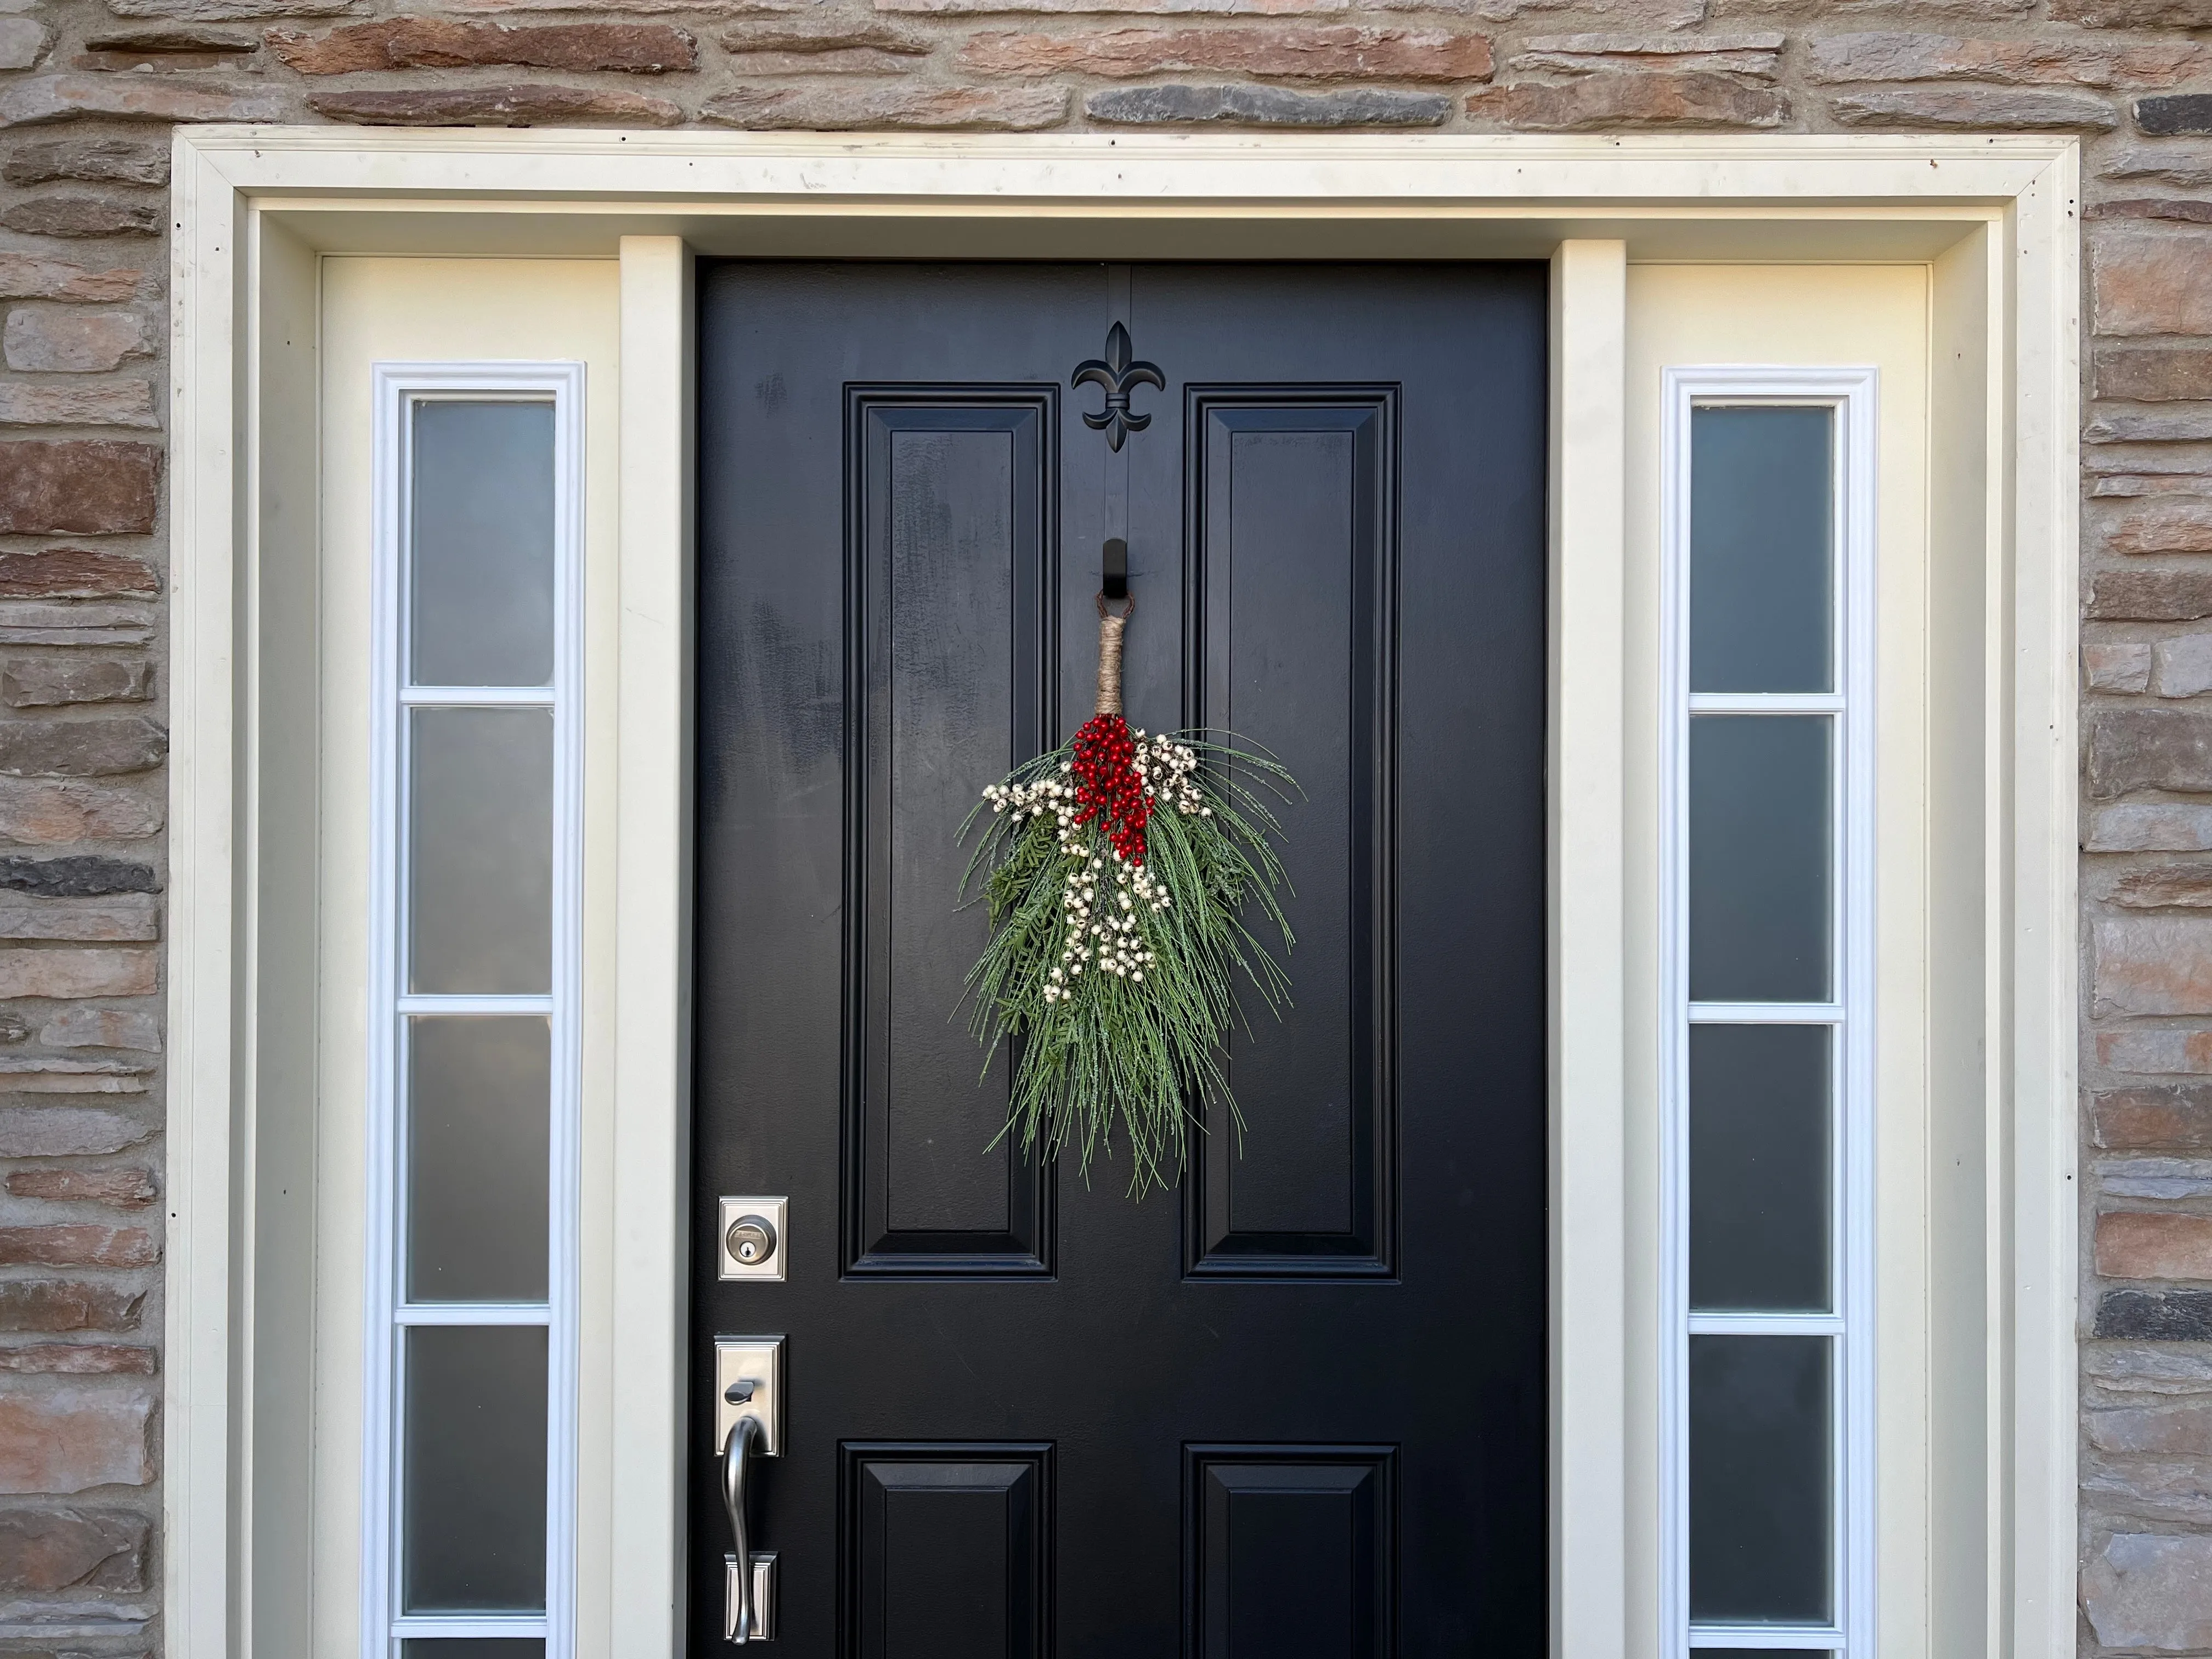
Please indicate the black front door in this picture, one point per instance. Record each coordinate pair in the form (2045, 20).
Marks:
(1296, 1409)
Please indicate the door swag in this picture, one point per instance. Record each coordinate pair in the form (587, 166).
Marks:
(1117, 871)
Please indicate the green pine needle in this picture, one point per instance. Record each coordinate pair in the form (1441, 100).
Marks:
(1114, 1056)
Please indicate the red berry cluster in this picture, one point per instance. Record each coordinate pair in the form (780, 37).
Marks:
(1107, 786)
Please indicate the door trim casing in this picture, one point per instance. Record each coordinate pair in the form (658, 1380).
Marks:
(253, 207)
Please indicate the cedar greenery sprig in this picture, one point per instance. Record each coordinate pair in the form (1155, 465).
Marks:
(1119, 874)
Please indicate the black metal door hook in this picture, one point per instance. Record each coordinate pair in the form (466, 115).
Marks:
(1113, 569)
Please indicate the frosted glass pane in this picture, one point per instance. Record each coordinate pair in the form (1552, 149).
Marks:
(1758, 1168)
(1758, 858)
(480, 572)
(1759, 1498)
(1698, 1653)
(1761, 563)
(479, 1114)
(474, 1647)
(472, 1527)
(481, 850)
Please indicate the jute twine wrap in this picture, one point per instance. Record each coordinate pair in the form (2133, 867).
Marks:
(1109, 654)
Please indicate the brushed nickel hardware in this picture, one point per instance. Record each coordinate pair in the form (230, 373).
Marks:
(751, 1244)
(748, 1425)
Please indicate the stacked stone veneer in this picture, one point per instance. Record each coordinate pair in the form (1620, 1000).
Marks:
(86, 89)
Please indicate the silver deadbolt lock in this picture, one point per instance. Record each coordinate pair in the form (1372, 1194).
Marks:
(751, 1240)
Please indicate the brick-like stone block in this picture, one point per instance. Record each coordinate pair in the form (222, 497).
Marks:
(2178, 426)
(393, 43)
(81, 875)
(80, 1359)
(106, 403)
(75, 625)
(2152, 965)
(1339, 52)
(1942, 107)
(2115, 665)
(2182, 1429)
(2164, 886)
(1757, 55)
(1183, 104)
(2178, 1116)
(2149, 749)
(2153, 1244)
(66, 340)
(74, 1439)
(81, 749)
(2150, 827)
(78, 1244)
(2155, 1048)
(118, 1189)
(2152, 373)
(103, 1028)
(67, 1304)
(2155, 1177)
(810, 36)
(2150, 281)
(1016, 109)
(95, 160)
(519, 104)
(2157, 1315)
(42, 1550)
(34, 973)
(78, 487)
(1631, 99)
(129, 919)
(2161, 526)
(2175, 114)
(2137, 1488)
(133, 98)
(23, 276)
(1896, 56)
(44, 814)
(51, 681)
(74, 573)
(67, 1130)
(2134, 14)
(2149, 1590)
(85, 215)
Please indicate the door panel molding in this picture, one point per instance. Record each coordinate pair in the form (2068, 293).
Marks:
(918, 1203)
(1335, 1216)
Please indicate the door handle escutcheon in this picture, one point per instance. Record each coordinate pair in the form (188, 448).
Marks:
(748, 1426)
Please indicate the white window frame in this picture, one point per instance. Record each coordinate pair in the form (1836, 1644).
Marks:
(397, 389)
(1851, 392)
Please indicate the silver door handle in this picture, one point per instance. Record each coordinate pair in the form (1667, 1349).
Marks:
(742, 1616)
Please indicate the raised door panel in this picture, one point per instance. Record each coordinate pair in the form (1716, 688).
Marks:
(1288, 1551)
(1293, 630)
(947, 1551)
(950, 653)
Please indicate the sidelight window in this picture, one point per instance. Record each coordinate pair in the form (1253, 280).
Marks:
(1767, 1047)
(470, 1463)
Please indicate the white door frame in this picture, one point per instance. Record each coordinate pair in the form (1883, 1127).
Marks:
(255, 207)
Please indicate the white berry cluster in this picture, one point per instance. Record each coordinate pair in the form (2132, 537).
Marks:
(1166, 768)
(1104, 933)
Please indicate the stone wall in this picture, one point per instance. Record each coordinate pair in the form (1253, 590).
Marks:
(86, 87)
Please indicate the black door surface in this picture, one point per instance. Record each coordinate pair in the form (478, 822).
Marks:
(1296, 1409)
